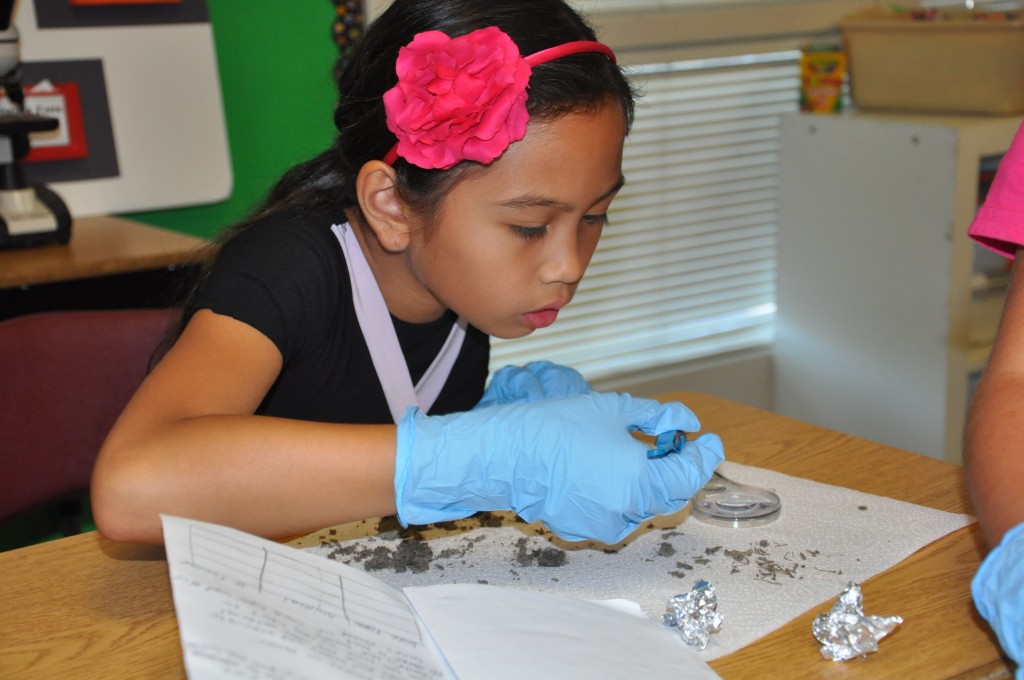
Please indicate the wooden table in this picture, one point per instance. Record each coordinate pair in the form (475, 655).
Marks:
(85, 607)
(99, 246)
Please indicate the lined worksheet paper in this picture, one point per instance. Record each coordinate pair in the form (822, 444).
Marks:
(252, 608)
(249, 608)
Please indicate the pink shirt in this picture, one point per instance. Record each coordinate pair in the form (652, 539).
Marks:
(999, 224)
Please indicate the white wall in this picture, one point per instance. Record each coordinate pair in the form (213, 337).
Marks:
(746, 377)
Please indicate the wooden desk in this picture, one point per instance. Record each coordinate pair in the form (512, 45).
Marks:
(110, 263)
(85, 607)
(99, 246)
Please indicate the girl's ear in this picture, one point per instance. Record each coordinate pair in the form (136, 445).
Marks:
(382, 207)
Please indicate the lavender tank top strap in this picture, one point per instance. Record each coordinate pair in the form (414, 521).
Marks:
(379, 332)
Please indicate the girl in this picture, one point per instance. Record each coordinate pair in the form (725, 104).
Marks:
(332, 363)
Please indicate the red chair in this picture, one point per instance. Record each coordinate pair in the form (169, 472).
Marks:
(64, 379)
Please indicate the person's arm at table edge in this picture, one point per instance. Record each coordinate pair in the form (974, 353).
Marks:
(994, 434)
(188, 444)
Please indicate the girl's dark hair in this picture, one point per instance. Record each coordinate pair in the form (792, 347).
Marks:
(580, 82)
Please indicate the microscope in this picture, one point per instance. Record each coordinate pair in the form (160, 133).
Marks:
(30, 215)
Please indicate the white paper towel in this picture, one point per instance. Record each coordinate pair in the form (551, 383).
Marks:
(764, 576)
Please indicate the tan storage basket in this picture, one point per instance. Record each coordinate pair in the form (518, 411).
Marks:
(956, 66)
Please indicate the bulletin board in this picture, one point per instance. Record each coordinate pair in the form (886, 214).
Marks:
(136, 87)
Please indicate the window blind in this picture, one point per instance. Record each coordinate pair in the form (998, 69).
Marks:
(686, 267)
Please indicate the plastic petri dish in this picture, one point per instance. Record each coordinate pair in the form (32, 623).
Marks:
(724, 502)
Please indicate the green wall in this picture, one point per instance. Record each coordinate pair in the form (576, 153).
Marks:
(275, 60)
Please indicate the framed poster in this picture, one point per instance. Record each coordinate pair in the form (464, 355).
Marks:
(83, 146)
(62, 102)
(94, 13)
(147, 82)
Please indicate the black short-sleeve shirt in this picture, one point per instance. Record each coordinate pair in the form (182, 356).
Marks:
(286, 276)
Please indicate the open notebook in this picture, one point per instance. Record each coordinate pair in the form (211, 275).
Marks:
(252, 608)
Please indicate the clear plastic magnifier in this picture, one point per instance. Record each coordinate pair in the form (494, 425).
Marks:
(722, 501)
(727, 503)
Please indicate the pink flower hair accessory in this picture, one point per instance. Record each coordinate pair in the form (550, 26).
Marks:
(464, 98)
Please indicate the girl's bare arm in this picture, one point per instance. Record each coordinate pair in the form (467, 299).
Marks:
(188, 444)
(994, 439)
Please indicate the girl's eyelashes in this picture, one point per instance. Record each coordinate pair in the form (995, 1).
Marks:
(530, 233)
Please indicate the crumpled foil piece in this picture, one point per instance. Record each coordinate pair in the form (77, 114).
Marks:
(846, 632)
(695, 614)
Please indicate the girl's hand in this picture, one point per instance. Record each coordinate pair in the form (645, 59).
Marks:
(536, 381)
(569, 462)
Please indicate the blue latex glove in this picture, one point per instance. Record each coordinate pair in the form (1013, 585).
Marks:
(536, 381)
(998, 590)
(568, 462)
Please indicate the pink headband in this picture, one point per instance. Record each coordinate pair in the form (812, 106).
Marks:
(464, 98)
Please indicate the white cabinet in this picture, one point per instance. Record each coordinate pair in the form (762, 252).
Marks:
(883, 316)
